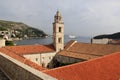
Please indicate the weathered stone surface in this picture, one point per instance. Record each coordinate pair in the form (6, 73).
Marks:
(19, 71)
(3, 76)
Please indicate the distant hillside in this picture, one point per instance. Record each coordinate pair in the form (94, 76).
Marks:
(20, 29)
(110, 36)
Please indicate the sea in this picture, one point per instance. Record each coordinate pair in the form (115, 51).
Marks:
(49, 40)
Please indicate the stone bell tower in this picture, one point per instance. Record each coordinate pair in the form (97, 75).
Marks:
(58, 32)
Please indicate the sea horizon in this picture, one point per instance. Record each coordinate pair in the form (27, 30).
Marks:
(49, 40)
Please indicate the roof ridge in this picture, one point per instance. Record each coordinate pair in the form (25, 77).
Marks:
(85, 53)
(71, 45)
(30, 49)
(97, 44)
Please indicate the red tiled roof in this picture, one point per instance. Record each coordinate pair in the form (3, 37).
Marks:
(28, 49)
(78, 55)
(21, 59)
(88, 51)
(95, 49)
(69, 44)
(104, 68)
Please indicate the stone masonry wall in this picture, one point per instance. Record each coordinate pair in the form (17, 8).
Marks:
(100, 41)
(59, 59)
(16, 72)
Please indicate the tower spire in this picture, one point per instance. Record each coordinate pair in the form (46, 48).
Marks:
(58, 17)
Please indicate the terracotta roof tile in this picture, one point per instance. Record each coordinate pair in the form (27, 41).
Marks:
(21, 59)
(95, 49)
(98, 49)
(30, 49)
(69, 44)
(78, 55)
(88, 51)
(104, 68)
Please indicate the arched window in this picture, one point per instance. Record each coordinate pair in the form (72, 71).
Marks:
(59, 40)
(60, 29)
(36, 59)
(43, 64)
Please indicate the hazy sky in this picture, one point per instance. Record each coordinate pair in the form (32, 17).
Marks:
(81, 17)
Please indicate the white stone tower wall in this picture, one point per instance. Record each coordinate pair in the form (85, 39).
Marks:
(2, 42)
(58, 34)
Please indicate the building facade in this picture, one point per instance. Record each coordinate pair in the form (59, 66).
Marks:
(41, 58)
(100, 41)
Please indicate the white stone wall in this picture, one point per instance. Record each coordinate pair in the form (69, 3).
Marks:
(57, 34)
(100, 41)
(2, 42)
(41, 58)
(34, 57)
(47, 57)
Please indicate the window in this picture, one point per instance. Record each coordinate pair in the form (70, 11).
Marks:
(50, 58)
(43, 64)
(59, 40)
(36, 59)
(60, 29)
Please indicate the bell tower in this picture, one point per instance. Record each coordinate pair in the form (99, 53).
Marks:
(58, 32)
